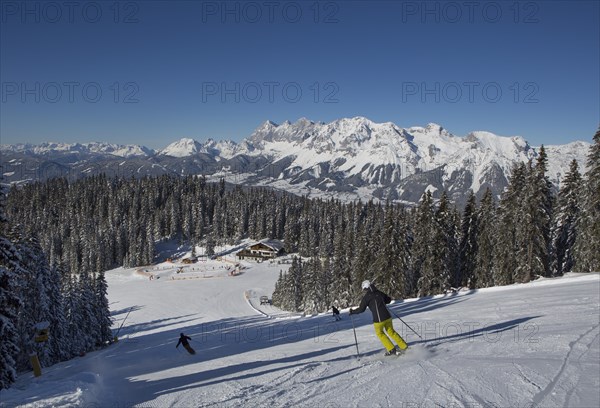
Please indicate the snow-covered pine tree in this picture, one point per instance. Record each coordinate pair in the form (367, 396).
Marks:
(36, 303)
(89, 320)
(291, 235)
(102, 310)
(391, 260)
(327, 230)
(281, 212)
(509, 217)
(486, 241)
(210, 245)
(566, 216)
(468, 243)
(288, 290)
(306, 245)
(9, 302)
(278, 293)
(537, 222)
(9, 306)
(326, 285)
(587, 255)
(362, 259)
(430, 249)
(75, 324)
(448, 220)
(341, 266)
(296, 274)
(422, 229)
(58, 340)
(315, 286)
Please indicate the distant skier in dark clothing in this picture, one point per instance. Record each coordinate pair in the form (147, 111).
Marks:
(336, 313)
(382, 320)
(183, 340)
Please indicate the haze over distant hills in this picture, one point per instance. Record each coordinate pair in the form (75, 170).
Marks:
(349, 159)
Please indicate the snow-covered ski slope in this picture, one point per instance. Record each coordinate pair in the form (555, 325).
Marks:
(533, 345)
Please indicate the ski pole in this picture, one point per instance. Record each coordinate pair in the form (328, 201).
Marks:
(355, 339)
(123, 322)
(407, 325)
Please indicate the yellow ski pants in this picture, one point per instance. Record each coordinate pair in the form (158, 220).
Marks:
(384, 327)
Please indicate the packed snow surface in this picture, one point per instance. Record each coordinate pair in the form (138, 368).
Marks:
(530, 345)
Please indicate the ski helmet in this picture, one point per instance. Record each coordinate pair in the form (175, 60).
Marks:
(366, 285)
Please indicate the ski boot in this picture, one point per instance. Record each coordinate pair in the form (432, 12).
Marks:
(398, 351)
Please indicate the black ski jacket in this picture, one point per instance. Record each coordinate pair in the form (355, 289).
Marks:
(183, 340)
(376, 301)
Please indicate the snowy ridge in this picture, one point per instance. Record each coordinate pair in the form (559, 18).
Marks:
(182, 148)
(561, 156)
(126, 151)
(358, 146)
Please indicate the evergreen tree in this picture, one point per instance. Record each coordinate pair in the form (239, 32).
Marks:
(537, 222)
(468, 243)
(76, 324)
(326, 285)
(486, 242)
(431, 249)
(587, 255)
(362, 260)
(565, 219)
(58, 343)
(341, 266)
(9, 306)
(296, 273)
(449, 220)
(288, 290)
(510, 218)
(32, 289)
(102, 310)
(447, 247)
(10, 303)
(313, 297)
(281, 293)
(423, 229)
(392, 258)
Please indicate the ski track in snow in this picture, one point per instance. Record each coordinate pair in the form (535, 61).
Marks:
(534, 345)
(568, 367)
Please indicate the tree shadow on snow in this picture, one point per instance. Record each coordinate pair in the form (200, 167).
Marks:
(491, 333)
(248, 369)
(124, 311)
(151, 354)
(155, 324)
(427, 304)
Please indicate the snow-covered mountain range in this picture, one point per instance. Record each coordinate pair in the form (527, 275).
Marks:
(350, 158)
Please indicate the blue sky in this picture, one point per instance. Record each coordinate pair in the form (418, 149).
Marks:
(151, 72)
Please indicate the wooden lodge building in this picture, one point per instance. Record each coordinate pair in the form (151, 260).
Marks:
(265, 249)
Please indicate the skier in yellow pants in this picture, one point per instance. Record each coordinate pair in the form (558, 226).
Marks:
(382, 320)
